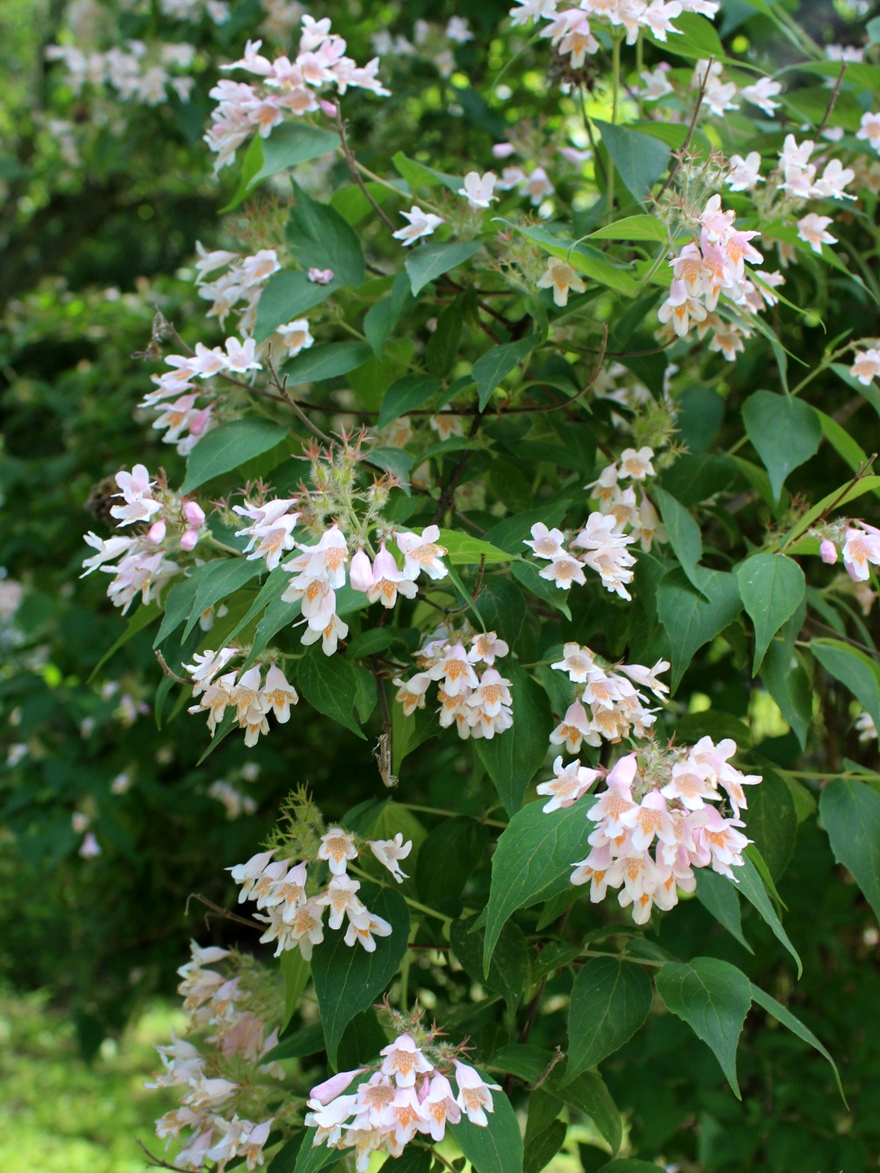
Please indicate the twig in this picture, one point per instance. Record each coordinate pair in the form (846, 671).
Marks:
(679, 155)
(157, 1162)
(382, 752)
(558, 1056)
(355, 173)
(846, 638)
(224, 912)
(173, 675)
(300, 414)
(832, 101)
(478, 588)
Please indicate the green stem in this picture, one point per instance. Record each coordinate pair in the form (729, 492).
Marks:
(435, 810)
(615, 96)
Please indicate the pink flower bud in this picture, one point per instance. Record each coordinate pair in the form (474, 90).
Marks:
(502, 150)
(334, 1086)
(194, 514)
(156, 532)
(828, 551)
(189, 539)
(360, 572)
(320, 276)
(329, 108)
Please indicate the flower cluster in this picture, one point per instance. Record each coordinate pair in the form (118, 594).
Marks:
(166, 522)
(858, 544)
(250, 697)
(630, 511)
(607, 705)
(601, 545)
(478, 706)
(216, 1108)
(408, 1093)
(318, 571)
(570, 31)
(704, 272)
(294, 918)
(287, 87)
(138, 73)
(183, 420)
(656, 822)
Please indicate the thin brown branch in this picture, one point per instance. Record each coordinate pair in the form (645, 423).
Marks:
(157, 1162)
(832, 101)
(447, 497)
(351, 163)
(168, 672)
(680, 154)
(221, 912)
(281, 385)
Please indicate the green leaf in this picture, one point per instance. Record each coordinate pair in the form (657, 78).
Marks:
(464, 550)
(783, 1015)
(428, 261)
(509, 969)
(495, 1149)
(222, 579)
(632, 228)
(533, 861)
(713, 998)
(295, 971)
(511, 758)
(789, 685)
(784, 432)
(589, 1095)
(250, 166)
(541, 1148)
(698, 39)
(772, 821)
(418, 175)
(750, 884)
(496, 364)
(307, 1041)
(771, 587)
(852, 668)
(684, 535)
(405, 394)
(720, 898)
(582, 257)
(292, 143)
(381, 318)
(288, 295)
(461, 839)
(311, 1157)
(326, 362)
(850, 811)
(228, 446)
(691, 620)
(330, 684)
(610, 1000)
(442, 349)
(320, 238)
(347, 979)
(628, 1165)
(639, 159)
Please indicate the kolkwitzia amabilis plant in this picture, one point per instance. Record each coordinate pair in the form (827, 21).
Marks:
(512, 437)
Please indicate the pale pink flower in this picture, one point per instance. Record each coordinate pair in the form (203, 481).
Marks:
(546, 543)
(422, 553)
(389, 852)
(812, 230)
(320, 276)
(828, 551)
(572, 729)
(486, 646)
(869, 129)
(389, 580)
(861, 549)
(241, 355)
(420, 224)
(478, 189)
(577, 662)
(563, 571)
(570, 784)
(866, 366)
(762, 93)
(360, 571)
(561, 278)
(474, 1094)
(337, 847)
(295, 336)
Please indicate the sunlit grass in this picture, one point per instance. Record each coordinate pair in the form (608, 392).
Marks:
(61, 1115)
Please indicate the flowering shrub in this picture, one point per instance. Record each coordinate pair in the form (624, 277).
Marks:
(532, 317)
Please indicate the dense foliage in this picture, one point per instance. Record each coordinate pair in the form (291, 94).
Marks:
(477, 619)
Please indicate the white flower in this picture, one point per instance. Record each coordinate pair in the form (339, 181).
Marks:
(389, 852)
(296, 336)
(762, 94)
(420, 224)
(561, 277)
(479, 188)
(812, 230)
(744, 172)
